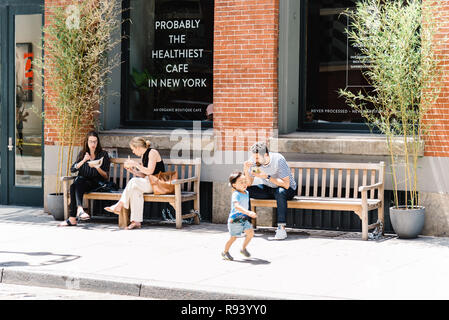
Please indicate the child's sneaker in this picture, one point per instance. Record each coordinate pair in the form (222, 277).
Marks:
(227, 256)
(245, 253)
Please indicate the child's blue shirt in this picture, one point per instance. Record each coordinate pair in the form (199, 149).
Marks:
(243, 200)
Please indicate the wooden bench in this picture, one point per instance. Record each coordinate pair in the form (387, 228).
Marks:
(318, 181)
(187, 188)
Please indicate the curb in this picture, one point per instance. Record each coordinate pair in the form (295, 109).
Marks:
(135, 287)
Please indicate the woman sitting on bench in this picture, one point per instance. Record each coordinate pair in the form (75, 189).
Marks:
(133, 194)
(93, 166)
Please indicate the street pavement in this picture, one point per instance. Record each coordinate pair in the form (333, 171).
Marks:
(162, 262)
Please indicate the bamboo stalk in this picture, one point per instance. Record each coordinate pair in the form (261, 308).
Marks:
(78, 70)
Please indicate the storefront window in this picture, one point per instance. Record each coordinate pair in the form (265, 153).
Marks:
(331, 63)
(167, 78)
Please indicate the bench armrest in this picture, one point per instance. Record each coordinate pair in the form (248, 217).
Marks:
(371, 187)
(181, 181)
(68, 178)
(65, 190)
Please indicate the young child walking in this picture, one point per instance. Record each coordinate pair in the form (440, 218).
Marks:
(240, 216)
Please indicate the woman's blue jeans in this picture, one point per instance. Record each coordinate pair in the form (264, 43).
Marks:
(281, 195)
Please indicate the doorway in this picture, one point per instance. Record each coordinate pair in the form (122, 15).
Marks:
(21, 104)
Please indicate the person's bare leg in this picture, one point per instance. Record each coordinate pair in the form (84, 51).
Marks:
(65, 224)
(134, 225)
(229, 243)
(225, 254)
(249, 235)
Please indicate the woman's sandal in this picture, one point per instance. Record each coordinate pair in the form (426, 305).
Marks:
(112, 209)
(68, 224)
(133, 226)
(83, 216)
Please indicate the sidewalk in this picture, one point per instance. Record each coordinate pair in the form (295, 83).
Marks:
(162, 262)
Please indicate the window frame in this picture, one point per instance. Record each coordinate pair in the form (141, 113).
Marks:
(124, 87)
(304, 126)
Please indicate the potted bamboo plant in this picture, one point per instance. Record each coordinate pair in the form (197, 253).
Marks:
(399, 53)
(76, 68)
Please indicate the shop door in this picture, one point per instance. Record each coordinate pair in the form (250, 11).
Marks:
(21, 105)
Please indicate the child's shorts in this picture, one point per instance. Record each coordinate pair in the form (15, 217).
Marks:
(237, 228)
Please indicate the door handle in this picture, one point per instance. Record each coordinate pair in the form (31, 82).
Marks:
(10, 146)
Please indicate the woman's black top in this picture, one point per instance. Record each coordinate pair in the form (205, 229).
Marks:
(92, 173)
(160, 167)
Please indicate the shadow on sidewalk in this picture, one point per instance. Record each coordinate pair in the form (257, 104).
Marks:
(296, 234)
(426, 241)
(254, 261)
(63, 258)
(25, 216)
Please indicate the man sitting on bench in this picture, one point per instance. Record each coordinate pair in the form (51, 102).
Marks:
(277, 181)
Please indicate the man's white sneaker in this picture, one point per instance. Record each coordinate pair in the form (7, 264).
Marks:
(281, 234)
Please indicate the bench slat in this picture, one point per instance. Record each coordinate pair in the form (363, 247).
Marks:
(190, 184)
(183, 174)
(302, 198)
(182, 161)
(348, 183)
(335, 165)
(373, 180)
(315, 183)
(320, 204)
(364, 179)
(299, 181)
(147, 196)
(356, 184)
(340, 175)
(293, 173)
(323, 182)
(320, 199)
(191, 162)
(308, 181)
(331, 183)
(121, 176)
(114, 179)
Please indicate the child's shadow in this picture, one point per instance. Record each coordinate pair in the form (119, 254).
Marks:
(255, 261)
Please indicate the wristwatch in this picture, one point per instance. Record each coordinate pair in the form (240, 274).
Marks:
(268, 177)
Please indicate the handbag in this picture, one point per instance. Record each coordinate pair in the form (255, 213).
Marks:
(161, 182)
(106, 186)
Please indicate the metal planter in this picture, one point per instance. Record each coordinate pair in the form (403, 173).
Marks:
(55, 205)
(407, 223)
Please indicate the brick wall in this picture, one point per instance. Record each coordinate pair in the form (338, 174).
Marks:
(437, 141)
(50, 134)
(245, 72)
